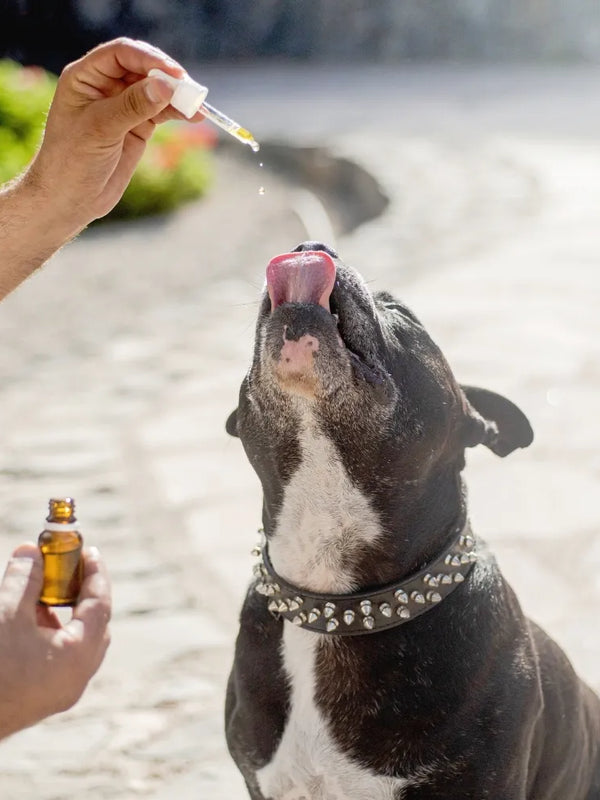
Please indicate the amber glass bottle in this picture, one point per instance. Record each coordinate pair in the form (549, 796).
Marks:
(61, 543)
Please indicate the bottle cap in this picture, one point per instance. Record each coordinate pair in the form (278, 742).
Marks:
(188, 95)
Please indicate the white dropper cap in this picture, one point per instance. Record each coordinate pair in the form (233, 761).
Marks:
(188, 95)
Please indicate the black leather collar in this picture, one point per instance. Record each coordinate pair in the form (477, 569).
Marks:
(370, 611)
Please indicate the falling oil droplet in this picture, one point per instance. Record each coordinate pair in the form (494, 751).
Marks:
(261, 190)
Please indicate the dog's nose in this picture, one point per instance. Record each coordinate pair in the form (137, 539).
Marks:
(305, 246)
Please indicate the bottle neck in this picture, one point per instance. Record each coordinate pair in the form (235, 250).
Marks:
(61, 527)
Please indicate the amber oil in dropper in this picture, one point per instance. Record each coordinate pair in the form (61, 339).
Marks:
(61, 543)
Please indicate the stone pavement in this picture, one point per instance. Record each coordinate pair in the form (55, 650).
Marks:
(121, 360)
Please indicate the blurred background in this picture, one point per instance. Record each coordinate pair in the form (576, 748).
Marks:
(449, 151)
(318, 30)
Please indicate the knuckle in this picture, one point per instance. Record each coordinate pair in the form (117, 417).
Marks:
(124, 41)
(133, 102)
(68, 74)
(105, 610)
(99, 610)
(67, 70)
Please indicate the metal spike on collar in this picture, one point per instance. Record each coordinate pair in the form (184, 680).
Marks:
(385, 609)
(459, 577)
(294, 605)
(299, 619)
(313, 615)
(401, 596)
(434, 597)
(365, 607)
(258, 547)
(349, 617)
(329, 610)
(332, 624)
(417, 597)
(403, 612)
(369, 623)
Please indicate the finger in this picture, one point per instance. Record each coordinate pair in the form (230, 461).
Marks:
(46, 618)
(131, 78)
(22, 581)
(198, 117)
(139, 103)
(121, 56)
(96, 583)
(92, 613)
(132, 151)
(104, 86)
(100, 87)
(144, 131)
(167, 114)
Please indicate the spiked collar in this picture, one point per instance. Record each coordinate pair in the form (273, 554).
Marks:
(369, 611)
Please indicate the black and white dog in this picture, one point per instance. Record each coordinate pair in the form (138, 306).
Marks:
(381, 654)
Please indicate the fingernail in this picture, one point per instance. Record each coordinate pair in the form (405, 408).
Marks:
(93, 552)
(25, 550)
(158, 90)
(172, 63)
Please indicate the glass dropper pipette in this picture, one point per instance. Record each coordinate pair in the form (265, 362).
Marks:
(188, 98)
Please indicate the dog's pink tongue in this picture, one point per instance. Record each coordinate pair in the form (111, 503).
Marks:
(305, 277)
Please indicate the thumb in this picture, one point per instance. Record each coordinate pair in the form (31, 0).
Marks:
(138, 103)
(22, 581)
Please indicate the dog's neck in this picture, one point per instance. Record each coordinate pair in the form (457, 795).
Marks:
(329, 537)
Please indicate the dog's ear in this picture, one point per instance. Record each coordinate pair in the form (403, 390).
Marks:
(231, 425)
(494, 421)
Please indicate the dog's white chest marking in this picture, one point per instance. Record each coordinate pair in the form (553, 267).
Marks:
(325, 520)
(308, 764)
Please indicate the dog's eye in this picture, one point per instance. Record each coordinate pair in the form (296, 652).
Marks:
(389, 304)
(407, 313)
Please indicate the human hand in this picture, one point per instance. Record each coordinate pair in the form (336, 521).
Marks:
(45, 666)
(104, 111)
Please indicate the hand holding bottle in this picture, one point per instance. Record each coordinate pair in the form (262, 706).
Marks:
(44, 665)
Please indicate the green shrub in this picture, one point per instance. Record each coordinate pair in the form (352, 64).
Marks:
(25, 96)
(176, 166)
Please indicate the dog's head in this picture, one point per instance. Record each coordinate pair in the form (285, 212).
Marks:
(365, 372)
